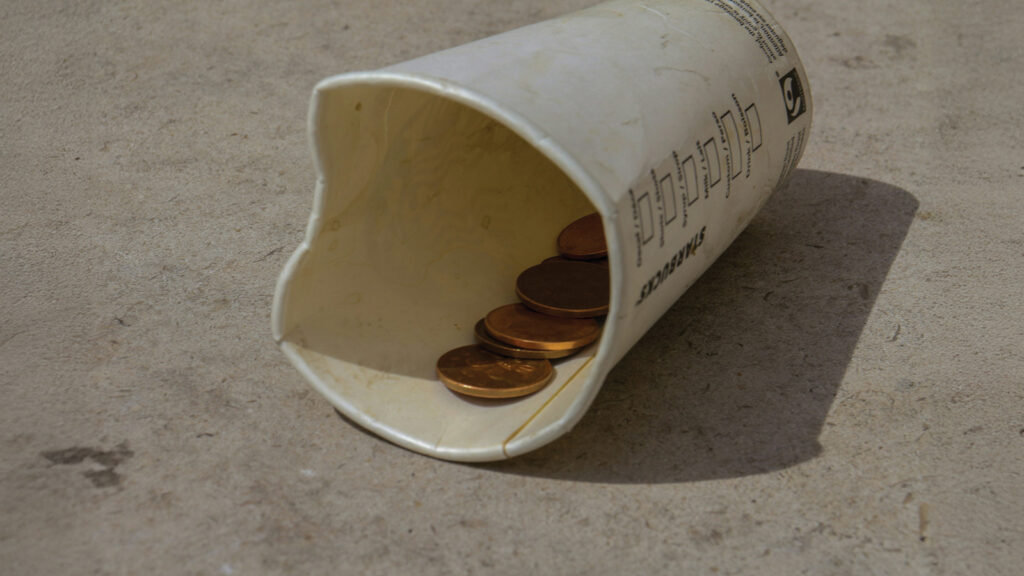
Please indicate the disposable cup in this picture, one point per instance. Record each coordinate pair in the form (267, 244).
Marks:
(442, 178)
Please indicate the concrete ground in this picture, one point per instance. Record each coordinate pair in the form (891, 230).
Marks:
(840, 394)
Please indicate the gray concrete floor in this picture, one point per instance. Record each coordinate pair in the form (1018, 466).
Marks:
(840, 394)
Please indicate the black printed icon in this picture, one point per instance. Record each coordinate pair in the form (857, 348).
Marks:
(793, 95)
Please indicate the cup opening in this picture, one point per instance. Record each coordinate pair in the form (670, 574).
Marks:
(426, 212)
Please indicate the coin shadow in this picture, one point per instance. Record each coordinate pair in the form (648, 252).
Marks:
(738, 377)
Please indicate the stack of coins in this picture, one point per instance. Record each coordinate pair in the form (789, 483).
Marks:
(562, 299)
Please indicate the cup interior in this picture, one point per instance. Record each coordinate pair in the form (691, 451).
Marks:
(426, 211)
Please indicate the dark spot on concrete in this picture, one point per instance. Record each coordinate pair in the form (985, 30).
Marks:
(906, 384)
(899, 44)
(108, 459)
(713, 537)
(112, 458)
(68, 455)
(103, 478)
(862, 290)
(858, 63)
(269, 254)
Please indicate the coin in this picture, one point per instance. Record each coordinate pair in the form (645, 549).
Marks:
(566, 288)
(583, 239)
(599, 261)
(473, 371)
(498, 347)
(519, 326)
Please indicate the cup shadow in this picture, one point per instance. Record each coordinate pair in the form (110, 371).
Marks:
(737, 378)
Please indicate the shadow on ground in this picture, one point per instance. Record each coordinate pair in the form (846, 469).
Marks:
(738, 377)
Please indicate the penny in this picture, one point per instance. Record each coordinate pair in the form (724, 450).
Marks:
(473, 371)
(498, 347)
(599, 261)
(519, 326)
(583, 239)
(567, 288)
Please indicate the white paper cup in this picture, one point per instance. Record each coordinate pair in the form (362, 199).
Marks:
(442, 178)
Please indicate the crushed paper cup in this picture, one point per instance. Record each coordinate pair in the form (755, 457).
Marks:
(442, 178)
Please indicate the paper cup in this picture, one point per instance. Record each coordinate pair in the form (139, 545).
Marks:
(442, 178)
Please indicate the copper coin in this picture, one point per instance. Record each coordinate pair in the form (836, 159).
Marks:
(600, 261)
(473, 371)
(498, 347)
(568, 288)
(583, 239)
(519, 326)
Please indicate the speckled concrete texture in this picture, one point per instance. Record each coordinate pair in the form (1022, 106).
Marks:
(840, 394)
